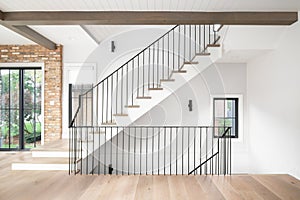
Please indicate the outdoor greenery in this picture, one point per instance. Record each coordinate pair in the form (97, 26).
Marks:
(9, 102)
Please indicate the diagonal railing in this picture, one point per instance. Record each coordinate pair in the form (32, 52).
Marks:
(144, 72)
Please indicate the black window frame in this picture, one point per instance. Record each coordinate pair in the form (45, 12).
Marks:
(236, 114)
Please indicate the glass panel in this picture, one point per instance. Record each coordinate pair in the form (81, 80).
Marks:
(219, 108)
(32, 107)
(9, 119)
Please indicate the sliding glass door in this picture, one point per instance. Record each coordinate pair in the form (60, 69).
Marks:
(20, 111)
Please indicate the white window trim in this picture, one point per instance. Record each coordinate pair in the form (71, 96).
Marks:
(240, 138)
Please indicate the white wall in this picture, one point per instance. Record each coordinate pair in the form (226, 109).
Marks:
(215, 80)
(274, 107)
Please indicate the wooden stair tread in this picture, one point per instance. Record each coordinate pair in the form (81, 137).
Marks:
(179, 71)
(203, 54)
(191, 63)
(132, 106)
(155, 88)
(167, 80)
(121, 115)
(144, 97)
(213, 45)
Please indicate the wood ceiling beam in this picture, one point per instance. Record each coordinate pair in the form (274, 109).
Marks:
(1, 15)
(149, 18)
(32, 35)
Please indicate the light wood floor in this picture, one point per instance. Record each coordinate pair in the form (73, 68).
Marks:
(27, 185)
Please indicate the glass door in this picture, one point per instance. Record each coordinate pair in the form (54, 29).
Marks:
(20, 111)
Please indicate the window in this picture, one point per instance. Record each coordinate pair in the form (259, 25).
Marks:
(225, 113)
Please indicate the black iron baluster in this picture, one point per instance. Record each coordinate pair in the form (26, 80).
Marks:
(182, 149)
(153, 52)
(209, 39)
(134, 150)
(105, 150)
(117, 150)
(170, 150)
(174, 48)
(204, 36)
(195, 39)
(111, 100)
(132, 82)
(212, 152)
(93, 157)
(122, 91)
(163, 57)
(141, 143)
(106, 100)
(188, 150)
(158, 145)
(127, 85)
(87, 150)
(123, 149)
(143, 73)
(206, 149)
(128, 149)
(146, 150)
(195, 146)
(152, 150)
(99, 152)
(184, 40)
(168, 66)
(102, 111)
(199, 26)
(138, 75)
(190, 39)
(176, 147)
(117, 84)
(178, 64)
(157, 60)
(164, 150)
(200, 149)
(149, 66)
(111, 141)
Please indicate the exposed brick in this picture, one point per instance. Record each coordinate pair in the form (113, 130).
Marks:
(53, 81)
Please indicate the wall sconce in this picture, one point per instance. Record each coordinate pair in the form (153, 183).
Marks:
(113, 46)
(190, 105)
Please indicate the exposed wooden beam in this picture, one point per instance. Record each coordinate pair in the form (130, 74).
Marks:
(32, 35)
(149, 18)
(1, 15)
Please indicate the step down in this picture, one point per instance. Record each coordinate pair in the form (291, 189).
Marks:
(179, 71)
(144, 97)
(213, 45)
(155, 88)
(109, 123)
(203, 54)
(132, 106)
(167, 80)
(191, 63)
(121, 115)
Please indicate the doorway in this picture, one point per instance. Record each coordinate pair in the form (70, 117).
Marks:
(21, 107)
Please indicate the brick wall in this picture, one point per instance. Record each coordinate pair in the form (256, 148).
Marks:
(52, 60)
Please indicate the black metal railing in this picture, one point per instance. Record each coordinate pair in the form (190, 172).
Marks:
(159, 150)
(145, 71)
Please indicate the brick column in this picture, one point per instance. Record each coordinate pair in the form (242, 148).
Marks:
(52, 60)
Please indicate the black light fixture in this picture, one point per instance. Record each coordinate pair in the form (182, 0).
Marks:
(190, 105)
(113, 46)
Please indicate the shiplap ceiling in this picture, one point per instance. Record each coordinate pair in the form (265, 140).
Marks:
(186, 5)
(71, 33)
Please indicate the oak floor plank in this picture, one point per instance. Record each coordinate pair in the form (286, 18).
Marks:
(144, 189)
(193, 188)
(210, 189)
(161, 188)
(95, 188)
(177, 188)
(224, 186)
(280, 187)
(125, 188)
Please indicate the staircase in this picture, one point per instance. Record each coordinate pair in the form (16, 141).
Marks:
(110, 107)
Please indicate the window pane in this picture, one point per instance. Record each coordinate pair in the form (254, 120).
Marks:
(219, 108)
(230, 108)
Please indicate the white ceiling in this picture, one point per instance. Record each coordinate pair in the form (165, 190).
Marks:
(75, 35)
(196, 5)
